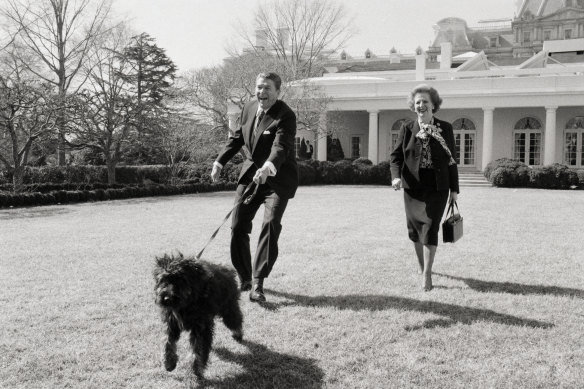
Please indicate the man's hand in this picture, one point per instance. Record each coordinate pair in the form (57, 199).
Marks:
(261, 175)
(453, 196)
(215, 173)
(396, 183)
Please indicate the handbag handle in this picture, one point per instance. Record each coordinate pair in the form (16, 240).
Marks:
(451, 207)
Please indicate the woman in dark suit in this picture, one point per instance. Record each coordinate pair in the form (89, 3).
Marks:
(423, 163)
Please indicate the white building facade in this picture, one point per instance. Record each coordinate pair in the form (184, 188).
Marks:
(535, 115)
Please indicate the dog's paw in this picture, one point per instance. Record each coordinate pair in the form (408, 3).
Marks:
(198, 370)
(237, 335)
(170, 361)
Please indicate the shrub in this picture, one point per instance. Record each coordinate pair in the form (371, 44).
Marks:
(580, 174)
(328, 172)
(501, 162)
(504, 176)
(362, 161)
(307, 173)
(556, 176)
(345, 172)
(381, 173)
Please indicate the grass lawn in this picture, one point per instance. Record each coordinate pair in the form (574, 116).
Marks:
(345, 306)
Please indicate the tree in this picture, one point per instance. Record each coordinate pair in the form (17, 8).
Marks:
(182, 144)
(102, 117)
(61, 33)
(299, 33)
(150, 76)
(27, 115)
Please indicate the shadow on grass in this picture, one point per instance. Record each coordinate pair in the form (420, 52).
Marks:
(30, 212)
(452, 314)
(511, 288)
(264, 368)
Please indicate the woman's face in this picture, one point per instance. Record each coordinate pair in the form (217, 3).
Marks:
(423, 105)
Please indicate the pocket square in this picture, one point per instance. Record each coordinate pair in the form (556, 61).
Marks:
(267, 132)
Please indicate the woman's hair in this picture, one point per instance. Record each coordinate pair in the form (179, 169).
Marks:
(433, 93)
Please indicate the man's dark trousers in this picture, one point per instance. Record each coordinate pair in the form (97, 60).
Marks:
(267, 250)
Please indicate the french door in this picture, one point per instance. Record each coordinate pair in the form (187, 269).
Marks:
(573, 149)
(527, 147)
(465, 147)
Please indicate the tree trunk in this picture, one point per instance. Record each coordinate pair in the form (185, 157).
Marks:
(61, 156)
(111, 171)
(18, 179)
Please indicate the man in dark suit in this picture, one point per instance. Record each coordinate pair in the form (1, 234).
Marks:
(266, 132)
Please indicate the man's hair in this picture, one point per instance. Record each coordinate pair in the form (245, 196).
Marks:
(433, 93)
(271, 76)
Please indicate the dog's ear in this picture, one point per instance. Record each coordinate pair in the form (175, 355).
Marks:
(162, 262)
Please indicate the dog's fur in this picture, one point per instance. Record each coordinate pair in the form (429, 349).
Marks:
(190, 293)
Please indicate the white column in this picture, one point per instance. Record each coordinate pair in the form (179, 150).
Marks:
(321, 136)
(373, 136)
(549, 144)
(445, 55)
(487, 136)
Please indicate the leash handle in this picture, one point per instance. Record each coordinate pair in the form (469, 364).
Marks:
(249, 198)
(245, 200)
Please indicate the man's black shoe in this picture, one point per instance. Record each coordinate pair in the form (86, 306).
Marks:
(245, 286)
(257, 291)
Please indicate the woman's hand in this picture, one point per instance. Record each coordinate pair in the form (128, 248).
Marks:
(396, 183)
(453, 196)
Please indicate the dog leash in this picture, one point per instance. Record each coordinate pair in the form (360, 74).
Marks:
(245, 200)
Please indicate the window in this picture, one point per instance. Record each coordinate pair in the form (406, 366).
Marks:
(574, 142)
(526, 36)
(547, 35)
(493, 41)
(464, 140)
(527, 143)
(356, 147)
(568, 34)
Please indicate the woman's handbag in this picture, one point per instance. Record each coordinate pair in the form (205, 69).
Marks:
(452, 226)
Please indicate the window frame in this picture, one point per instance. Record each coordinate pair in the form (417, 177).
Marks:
(360, 146)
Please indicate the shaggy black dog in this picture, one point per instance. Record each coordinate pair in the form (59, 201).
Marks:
(190, 293)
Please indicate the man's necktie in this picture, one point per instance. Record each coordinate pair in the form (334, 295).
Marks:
(257, 124)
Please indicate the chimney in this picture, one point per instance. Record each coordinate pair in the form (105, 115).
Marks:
(420, 64)
(445, 55)
(261, 38)
(394, 57)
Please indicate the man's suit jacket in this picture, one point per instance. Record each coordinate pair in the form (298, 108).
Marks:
(406, 155)
(274, 143)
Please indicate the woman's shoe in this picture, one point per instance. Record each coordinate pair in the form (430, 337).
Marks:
(427, 285)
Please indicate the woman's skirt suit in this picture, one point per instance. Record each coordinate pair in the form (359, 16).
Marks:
(427, 175)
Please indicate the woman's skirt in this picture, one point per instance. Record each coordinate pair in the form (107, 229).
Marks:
(424, 209)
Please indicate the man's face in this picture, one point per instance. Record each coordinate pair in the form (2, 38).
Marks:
(266, 93)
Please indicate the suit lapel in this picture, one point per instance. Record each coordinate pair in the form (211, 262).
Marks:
(417, 144)
(248, 128)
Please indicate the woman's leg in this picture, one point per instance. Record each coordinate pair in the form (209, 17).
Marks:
(420, 255)
(429, 253)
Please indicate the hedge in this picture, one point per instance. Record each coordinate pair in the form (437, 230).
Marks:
(140, 181)
(75, 196)
(506, 172)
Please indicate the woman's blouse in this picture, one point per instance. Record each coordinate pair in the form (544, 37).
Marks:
(426, 160)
